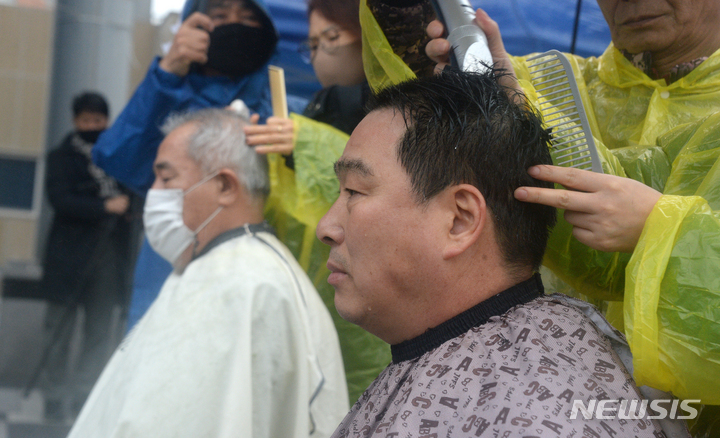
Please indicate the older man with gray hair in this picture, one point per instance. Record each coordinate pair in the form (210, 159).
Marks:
(238, 343)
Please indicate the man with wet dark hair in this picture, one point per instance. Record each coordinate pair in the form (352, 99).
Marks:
(477, 133)
(431, 252)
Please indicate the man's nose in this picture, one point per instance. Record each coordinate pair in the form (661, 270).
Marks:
(329, 230)
(157, 184)
(236, 15)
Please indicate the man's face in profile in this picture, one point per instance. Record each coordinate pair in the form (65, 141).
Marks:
(90, 121)
(381, 239)
(174, 169)
(232, 11)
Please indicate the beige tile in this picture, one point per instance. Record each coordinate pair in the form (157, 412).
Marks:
(37, 27)
(39, 4)
(10, 38)
(17, 239)
(31, 123)
(9, 89)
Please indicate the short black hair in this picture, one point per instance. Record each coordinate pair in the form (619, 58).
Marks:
(465, 127)
(90, 102)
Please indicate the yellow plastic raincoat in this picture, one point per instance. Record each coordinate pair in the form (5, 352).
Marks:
(668, 137)
(297, 201)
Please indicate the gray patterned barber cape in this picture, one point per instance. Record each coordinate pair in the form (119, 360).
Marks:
(509, 367)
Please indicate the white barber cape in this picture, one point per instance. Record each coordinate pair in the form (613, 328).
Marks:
(239, 345)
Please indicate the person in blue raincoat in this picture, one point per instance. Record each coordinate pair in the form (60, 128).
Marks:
(218, 55)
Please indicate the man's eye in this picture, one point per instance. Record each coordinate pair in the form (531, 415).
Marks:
(331, 34)
(351, 192)
(249, 18)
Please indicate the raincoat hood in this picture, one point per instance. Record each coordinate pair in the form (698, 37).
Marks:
(195, 5)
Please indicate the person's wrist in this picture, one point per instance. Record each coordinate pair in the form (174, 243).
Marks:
(174, 67)
(164, 77)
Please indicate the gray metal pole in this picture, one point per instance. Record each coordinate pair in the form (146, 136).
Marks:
(93, 50)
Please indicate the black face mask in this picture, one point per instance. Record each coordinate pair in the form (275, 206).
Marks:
(237, 50)
(90, 136)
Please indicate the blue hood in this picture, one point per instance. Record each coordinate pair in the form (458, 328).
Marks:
(193, 5)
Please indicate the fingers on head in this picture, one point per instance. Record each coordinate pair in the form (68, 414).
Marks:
(440, 67)
(435, 29)
(567, 176)
(438, 50)
(583, 236)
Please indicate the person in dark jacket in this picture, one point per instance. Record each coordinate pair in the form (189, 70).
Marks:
(90, 249)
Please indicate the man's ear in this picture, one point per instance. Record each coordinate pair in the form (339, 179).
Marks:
(469, 216)
(229, 187)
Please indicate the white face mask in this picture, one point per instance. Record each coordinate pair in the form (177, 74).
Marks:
(163, 218)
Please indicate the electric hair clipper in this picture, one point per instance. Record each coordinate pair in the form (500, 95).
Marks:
(470, 50)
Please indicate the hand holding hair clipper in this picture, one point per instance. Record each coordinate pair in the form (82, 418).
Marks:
(439, 48)
(470, 51)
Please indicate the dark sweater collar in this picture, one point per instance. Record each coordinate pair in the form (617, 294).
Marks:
(235, 232)
(476, 316)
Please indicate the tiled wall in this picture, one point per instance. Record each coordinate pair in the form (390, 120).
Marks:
(25, 59)
(26, 41)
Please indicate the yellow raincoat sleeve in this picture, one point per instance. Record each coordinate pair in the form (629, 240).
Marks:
(670, 285)
(382, 66)
(672, 289)
(298, 199)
